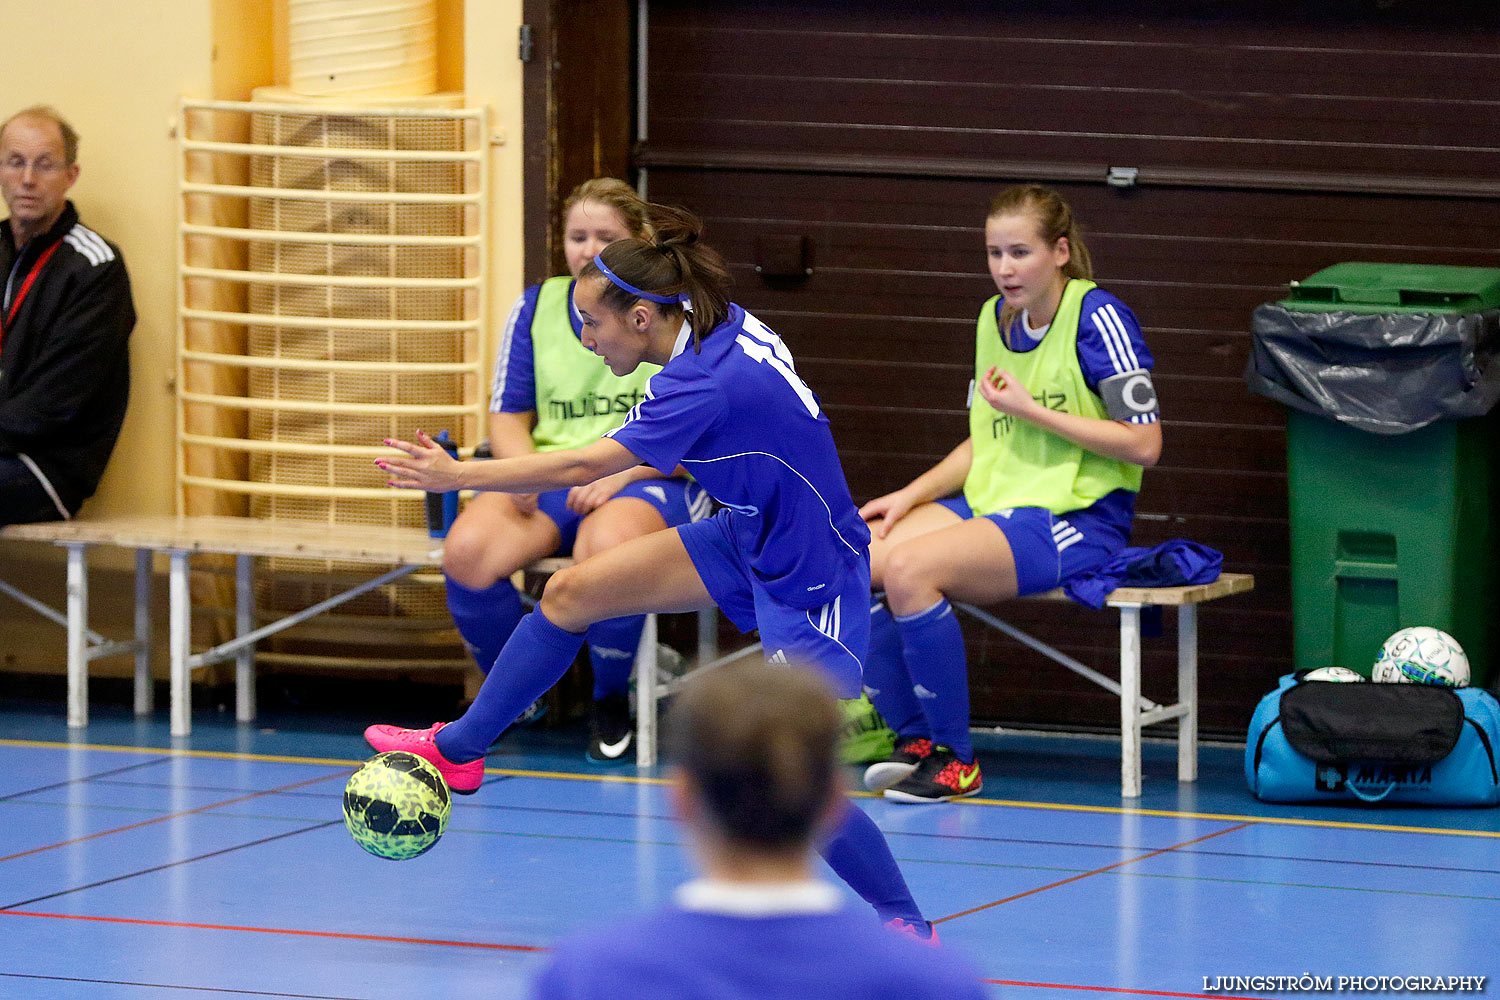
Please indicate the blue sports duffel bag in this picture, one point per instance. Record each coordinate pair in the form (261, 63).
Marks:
(1402, 744)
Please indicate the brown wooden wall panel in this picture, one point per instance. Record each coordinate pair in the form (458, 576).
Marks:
(1341, 88)
(881, 136)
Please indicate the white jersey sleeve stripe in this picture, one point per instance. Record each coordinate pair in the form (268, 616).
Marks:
(1111, 333)
(95, 239)
(1110, 320)
(634, 411)
(1127, 344)
(502, 360)
(90, 244)
(83, 247)
(1101, 323)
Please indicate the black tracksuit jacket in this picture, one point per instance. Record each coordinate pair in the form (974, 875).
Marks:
(64, 358)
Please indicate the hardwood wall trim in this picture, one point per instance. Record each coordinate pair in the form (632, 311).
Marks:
(647, 155)
(536, 141)
(577, 103)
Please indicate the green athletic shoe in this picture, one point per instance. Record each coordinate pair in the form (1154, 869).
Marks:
(865, 736)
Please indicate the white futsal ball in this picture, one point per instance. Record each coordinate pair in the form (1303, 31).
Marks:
(1333, 674)
(1422, 655)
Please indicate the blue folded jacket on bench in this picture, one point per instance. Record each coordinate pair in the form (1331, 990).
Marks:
(1177, 563)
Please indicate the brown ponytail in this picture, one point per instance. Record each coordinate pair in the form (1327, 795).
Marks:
(1054, 221)
(671, 260)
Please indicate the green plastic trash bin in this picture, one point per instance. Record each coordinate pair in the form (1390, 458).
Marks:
(1391, 474)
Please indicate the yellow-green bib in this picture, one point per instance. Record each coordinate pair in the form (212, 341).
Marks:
(1017, 464)
(577, 397)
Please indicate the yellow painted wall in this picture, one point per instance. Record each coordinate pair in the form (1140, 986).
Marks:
(492, 78)
(117, 70)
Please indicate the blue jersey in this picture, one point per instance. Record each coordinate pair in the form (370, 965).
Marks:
(513, 389)
(731, 953)
(739, 418)
(1109, 341)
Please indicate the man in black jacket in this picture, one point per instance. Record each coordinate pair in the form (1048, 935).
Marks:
(65, 321)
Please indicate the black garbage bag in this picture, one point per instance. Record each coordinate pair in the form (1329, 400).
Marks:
(1387, 373)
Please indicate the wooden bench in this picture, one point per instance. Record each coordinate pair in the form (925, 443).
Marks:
(406, 550)
(1137, 711)
(410, 549)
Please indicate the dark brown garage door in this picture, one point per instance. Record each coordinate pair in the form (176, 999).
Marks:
(1211, 160)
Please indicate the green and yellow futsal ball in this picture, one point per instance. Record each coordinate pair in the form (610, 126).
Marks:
(396, 805)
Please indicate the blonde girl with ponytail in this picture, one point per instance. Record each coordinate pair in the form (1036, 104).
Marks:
(1062, 419)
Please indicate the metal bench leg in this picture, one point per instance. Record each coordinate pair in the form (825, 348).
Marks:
(708, 635)
(145, 691)
(181, 625)
(645, 696)
(244, 623)
(1130, 693)
(1187, 692)
(78, 620)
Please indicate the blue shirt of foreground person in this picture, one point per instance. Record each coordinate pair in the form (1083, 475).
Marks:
(755, 784)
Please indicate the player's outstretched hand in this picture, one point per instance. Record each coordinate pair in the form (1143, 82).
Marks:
(425, 466)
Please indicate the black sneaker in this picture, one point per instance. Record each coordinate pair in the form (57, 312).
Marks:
(611, 730)
(940, 777)
(533, 713)
(902, 762)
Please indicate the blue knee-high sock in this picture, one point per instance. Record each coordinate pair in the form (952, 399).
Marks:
(859, 854)
(537, 654)
(887, 683)
(485, 617)
(934, 647)
(612, 646)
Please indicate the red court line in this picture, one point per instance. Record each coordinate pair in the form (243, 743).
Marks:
(274, 930)
(1114, 989)
(175, 815)
(1097, 871)
(535, 948)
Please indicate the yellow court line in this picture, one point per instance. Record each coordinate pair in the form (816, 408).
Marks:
(642, 780)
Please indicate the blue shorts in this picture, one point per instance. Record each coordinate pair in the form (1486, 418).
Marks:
(835, 635)
(678, 501)
(1048, 548)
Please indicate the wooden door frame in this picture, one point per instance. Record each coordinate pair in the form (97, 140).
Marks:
(578, 107)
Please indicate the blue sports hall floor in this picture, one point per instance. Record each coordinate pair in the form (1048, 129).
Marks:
(135, 866)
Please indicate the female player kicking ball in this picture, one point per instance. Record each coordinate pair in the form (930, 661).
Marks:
(1063, 421)
(551, 392)
(788, 554)
(753, 786)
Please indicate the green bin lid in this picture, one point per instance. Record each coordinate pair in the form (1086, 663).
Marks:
(1396, 288)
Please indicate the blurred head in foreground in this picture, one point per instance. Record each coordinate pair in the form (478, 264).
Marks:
(755, 750)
